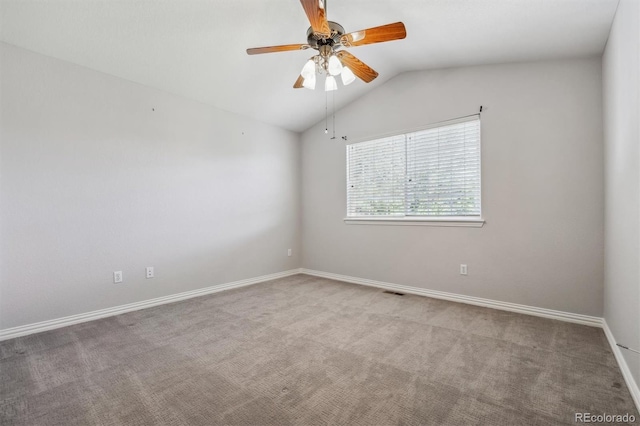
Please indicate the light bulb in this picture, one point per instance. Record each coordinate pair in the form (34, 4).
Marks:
(309, 69)
(335, 66)
(347, 76)
(309, 82)
(330, 84)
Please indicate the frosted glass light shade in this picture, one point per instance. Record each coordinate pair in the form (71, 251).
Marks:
(335, 66)
(308, 70)
(347, 76)
(309, 82)
(330, 84)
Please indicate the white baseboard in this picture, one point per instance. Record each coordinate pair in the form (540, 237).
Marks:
(624, 367)
(24, 330)
(488, 303)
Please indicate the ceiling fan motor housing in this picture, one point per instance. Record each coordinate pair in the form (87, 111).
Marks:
(316, 41)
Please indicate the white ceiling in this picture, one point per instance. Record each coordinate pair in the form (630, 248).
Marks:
(196, 48)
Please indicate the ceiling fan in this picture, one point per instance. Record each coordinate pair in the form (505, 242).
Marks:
(328, 38)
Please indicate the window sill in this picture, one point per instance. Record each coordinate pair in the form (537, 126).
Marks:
(412, 221)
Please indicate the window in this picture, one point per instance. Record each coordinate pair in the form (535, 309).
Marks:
(431, 174)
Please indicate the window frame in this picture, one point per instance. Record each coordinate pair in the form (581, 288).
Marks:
(447, 221)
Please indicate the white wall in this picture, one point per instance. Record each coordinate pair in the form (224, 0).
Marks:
(542, 153)
(93, 180)
(621, 81)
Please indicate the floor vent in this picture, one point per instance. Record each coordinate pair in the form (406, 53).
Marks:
(393, 292)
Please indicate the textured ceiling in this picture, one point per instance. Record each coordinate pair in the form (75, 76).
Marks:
(196, 48)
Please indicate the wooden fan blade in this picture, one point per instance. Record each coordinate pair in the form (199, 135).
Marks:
(359, 68)
(298, 83)
(271, 49)
(317, 17)
(395, 31)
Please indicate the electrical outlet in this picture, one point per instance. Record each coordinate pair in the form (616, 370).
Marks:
(150, 272)
(289, 252)
(117, 276)
(463, 269)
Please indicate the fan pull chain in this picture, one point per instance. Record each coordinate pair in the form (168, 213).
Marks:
(326, 113)
(334, 114)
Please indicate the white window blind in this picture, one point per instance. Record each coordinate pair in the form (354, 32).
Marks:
(433, 172)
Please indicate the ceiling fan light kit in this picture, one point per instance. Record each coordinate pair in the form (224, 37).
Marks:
(328, 38)
(334, 67)
(330, 84)
(309, 69)
(309, 83)
(347, 76)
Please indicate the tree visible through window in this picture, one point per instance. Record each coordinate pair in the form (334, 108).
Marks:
(433, 172)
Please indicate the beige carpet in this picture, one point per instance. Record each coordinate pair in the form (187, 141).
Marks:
(310, 351)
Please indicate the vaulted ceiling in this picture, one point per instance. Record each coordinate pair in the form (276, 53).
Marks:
(196, 48)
